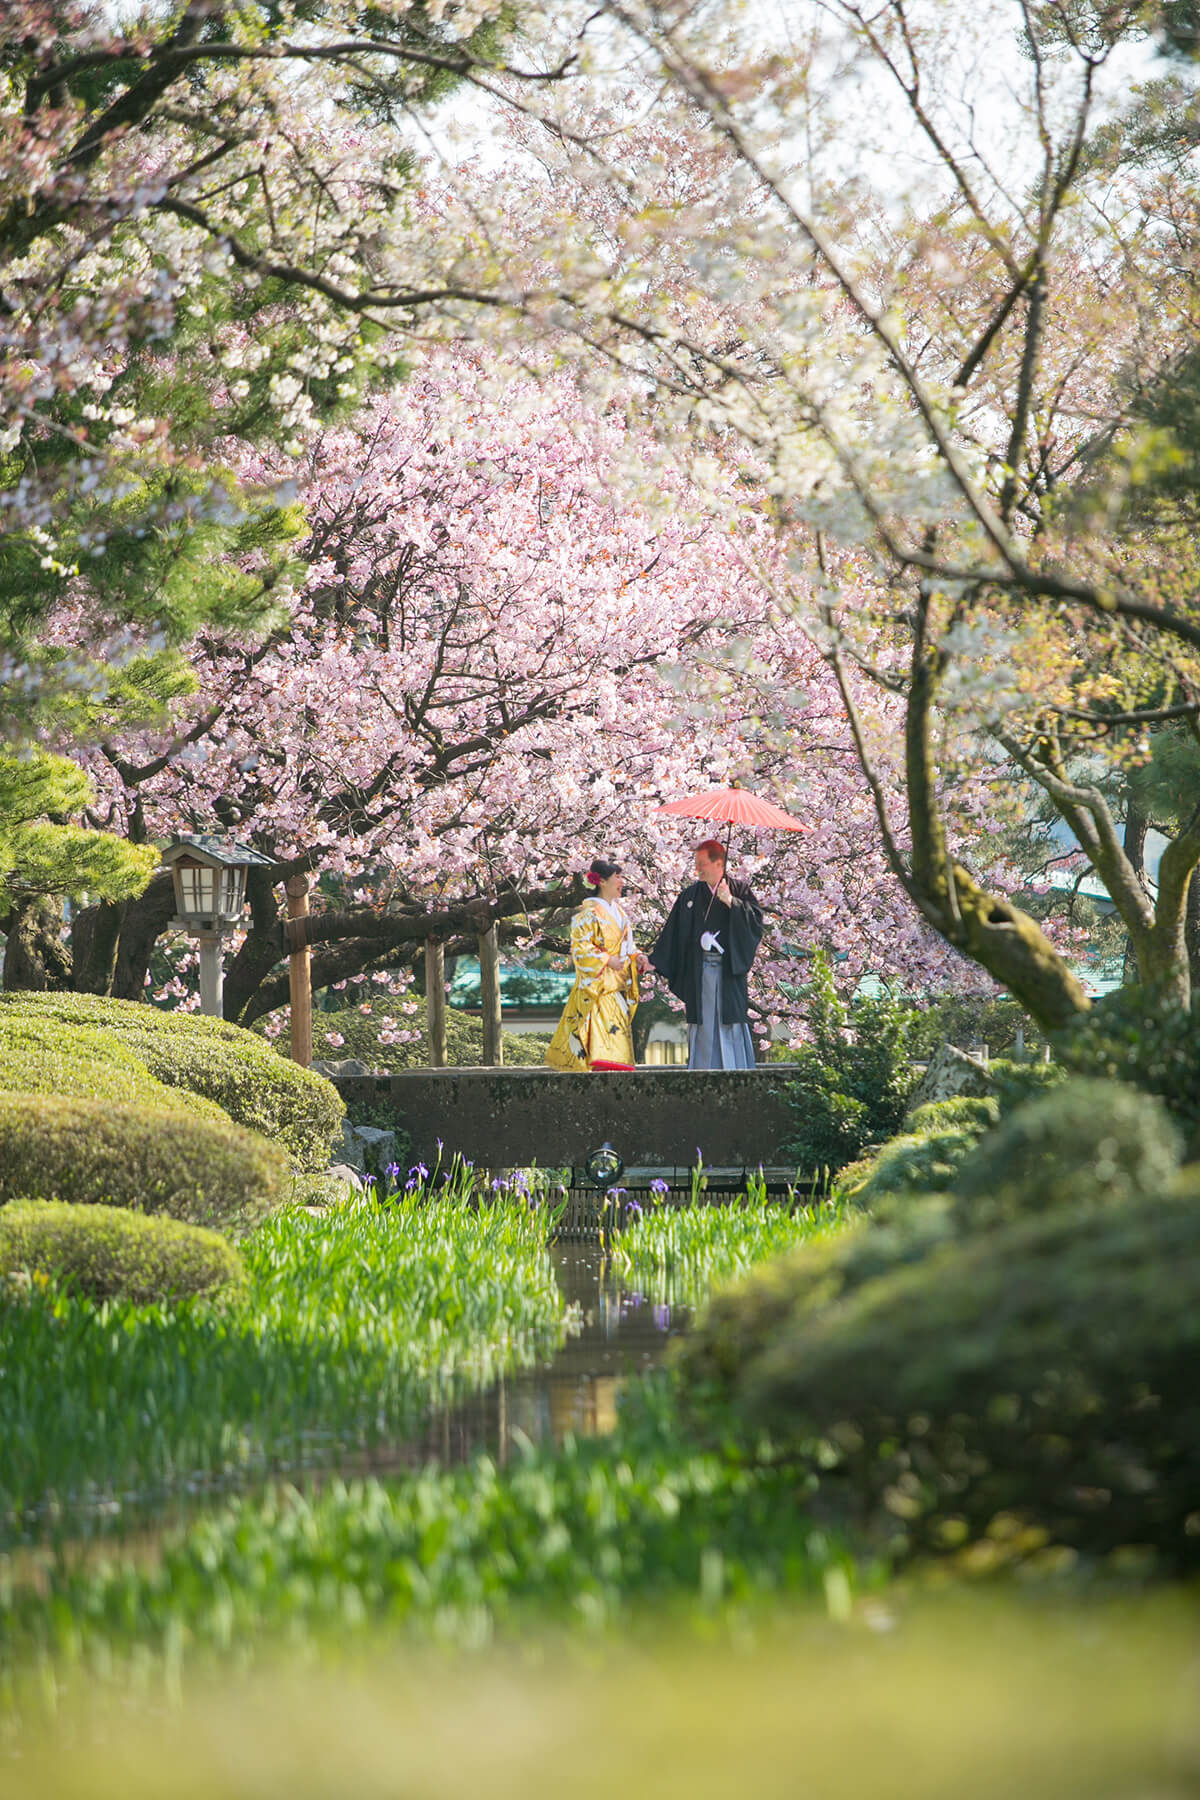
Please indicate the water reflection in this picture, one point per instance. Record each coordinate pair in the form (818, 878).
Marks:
(624, 1329)
(621, 1328)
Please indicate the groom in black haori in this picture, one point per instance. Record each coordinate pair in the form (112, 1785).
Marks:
(704, 953)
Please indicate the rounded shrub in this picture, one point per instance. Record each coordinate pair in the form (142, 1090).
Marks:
(109, 1253)
(1043, 1371)
(41, 1055)
(743, 1319)
(915, 1163)
(961, 1112)
(159, 1161)
(1134, 1036)
(210, 1058)
(1088, 1141)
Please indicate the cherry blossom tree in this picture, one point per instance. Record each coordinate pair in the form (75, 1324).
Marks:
(933, 308)
(495, 666)
(207, 230)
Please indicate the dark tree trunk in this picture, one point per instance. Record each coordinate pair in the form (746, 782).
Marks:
(1136, 828)
(146, 918)
(35, 957)
(260, 951)
(1192, 930)
(94, 934)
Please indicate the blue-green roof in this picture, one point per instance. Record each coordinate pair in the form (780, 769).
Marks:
(518, 986)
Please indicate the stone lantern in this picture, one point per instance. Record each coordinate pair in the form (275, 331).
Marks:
(209, 874)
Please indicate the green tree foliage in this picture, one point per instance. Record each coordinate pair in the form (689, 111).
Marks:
(42, 852)
(852, 1078)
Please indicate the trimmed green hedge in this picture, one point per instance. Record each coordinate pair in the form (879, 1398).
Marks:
(158, 1161)
(916, 1163)
(44, 1056)
(940, 1137)
(959, 1360)
(108, 1253)
(191, 1055)
(960, 1112)
(1088, 1142)
(1045, 1370)
(1132, 1036)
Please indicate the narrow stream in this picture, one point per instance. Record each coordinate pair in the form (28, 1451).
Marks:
(624, 1330)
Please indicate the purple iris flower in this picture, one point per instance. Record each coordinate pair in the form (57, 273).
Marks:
(659, 1186)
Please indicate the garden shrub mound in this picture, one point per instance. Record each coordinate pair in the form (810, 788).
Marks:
(743, 1319)
(915, 1163)
(1134, 1037)
(162, 1161)
(1095, 1142)
(193, 1055)
(962, 1112)
(940, 1137)
(41, 1055)
(1046, 1369)
(108, 1253)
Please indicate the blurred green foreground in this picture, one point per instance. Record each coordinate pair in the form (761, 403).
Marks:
(969, 1695)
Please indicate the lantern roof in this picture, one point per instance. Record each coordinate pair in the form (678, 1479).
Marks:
(217, 852)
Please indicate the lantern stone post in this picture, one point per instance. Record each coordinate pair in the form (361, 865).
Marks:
(209, 877)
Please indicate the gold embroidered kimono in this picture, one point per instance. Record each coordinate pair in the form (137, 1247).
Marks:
(597, 1021)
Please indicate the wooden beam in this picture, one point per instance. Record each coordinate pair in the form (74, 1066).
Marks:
(489, 995)
(435, 1001)
(299, 971)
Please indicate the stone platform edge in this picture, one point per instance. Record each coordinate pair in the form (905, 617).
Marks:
(653, 1117)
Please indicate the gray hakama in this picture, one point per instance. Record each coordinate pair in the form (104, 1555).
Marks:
(712, 1045)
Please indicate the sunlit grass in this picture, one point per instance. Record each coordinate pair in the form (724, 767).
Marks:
(354, 1320)
(684, 1252)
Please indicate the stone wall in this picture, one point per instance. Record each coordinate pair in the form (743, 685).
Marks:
(654, 1118)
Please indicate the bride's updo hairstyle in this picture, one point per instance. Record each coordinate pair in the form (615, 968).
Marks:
(600, 871)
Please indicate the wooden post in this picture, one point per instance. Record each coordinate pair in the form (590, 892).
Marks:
(299, 970)
(435, 1001)
(489, 995)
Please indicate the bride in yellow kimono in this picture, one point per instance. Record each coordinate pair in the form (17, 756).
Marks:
(596, 1028)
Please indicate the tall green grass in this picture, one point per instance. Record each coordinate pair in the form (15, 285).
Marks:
(353, 1322)
(684, 1252)
(599, 1532)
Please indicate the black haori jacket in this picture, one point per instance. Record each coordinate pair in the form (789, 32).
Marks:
(679, 959)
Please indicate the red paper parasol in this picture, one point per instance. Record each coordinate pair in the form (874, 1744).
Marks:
(734, 806)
